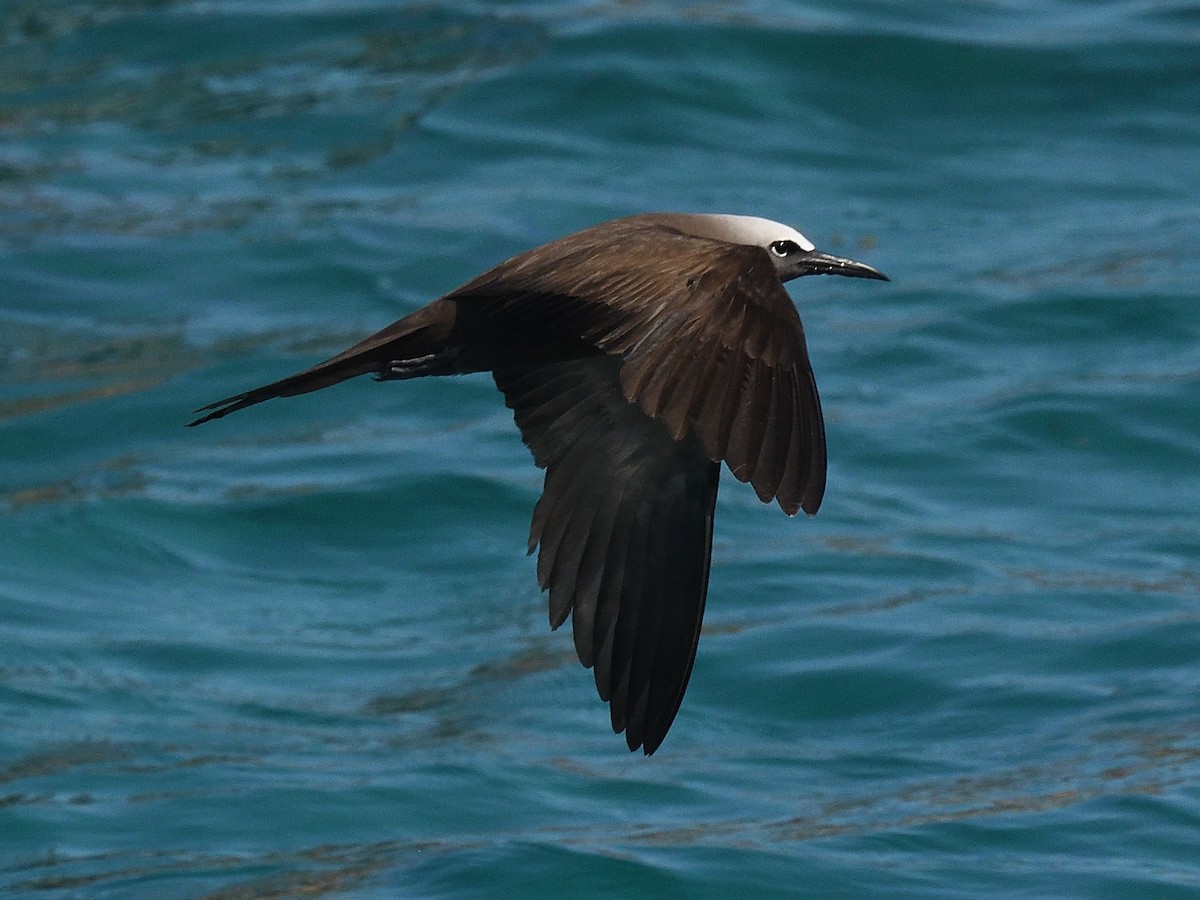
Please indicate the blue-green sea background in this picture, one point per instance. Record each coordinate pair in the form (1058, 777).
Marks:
(301, 651)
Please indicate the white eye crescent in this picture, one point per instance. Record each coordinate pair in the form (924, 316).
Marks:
(784, 248)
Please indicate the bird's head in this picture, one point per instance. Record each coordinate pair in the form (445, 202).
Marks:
(792, 253)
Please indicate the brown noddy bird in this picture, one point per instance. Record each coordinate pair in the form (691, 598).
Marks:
(636, 355)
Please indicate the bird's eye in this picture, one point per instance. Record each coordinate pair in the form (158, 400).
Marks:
(784, 248)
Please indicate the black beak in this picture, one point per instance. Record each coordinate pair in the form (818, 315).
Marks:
(814, 262)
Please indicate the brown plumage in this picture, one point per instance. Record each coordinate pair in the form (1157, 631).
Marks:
(636, 355)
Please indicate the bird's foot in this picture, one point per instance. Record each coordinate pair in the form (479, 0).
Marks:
(440, 363)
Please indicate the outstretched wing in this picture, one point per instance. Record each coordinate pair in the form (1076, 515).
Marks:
(712, 345)
(625, 528)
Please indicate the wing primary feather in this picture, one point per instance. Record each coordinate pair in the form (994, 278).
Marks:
(689, 556)
(768, 470)
(649, 599)
(689, 384)
(585, 502)
(790, 433)
(589, 578)
(634, 571)
(814, 463)
(738, 451)
(607, 530)
(757, 401)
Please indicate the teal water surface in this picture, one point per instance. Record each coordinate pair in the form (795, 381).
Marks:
(301, 652)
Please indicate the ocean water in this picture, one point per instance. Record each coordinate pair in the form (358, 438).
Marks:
(301, 652)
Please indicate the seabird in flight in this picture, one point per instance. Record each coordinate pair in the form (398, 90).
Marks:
(636, 355)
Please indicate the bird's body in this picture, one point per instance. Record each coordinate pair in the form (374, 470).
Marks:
(636, 355)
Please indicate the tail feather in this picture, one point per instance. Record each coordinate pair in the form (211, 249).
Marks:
(420, 335)
(319, 376)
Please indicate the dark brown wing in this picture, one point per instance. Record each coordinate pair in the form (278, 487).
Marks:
(625, 528)
(711, 343)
